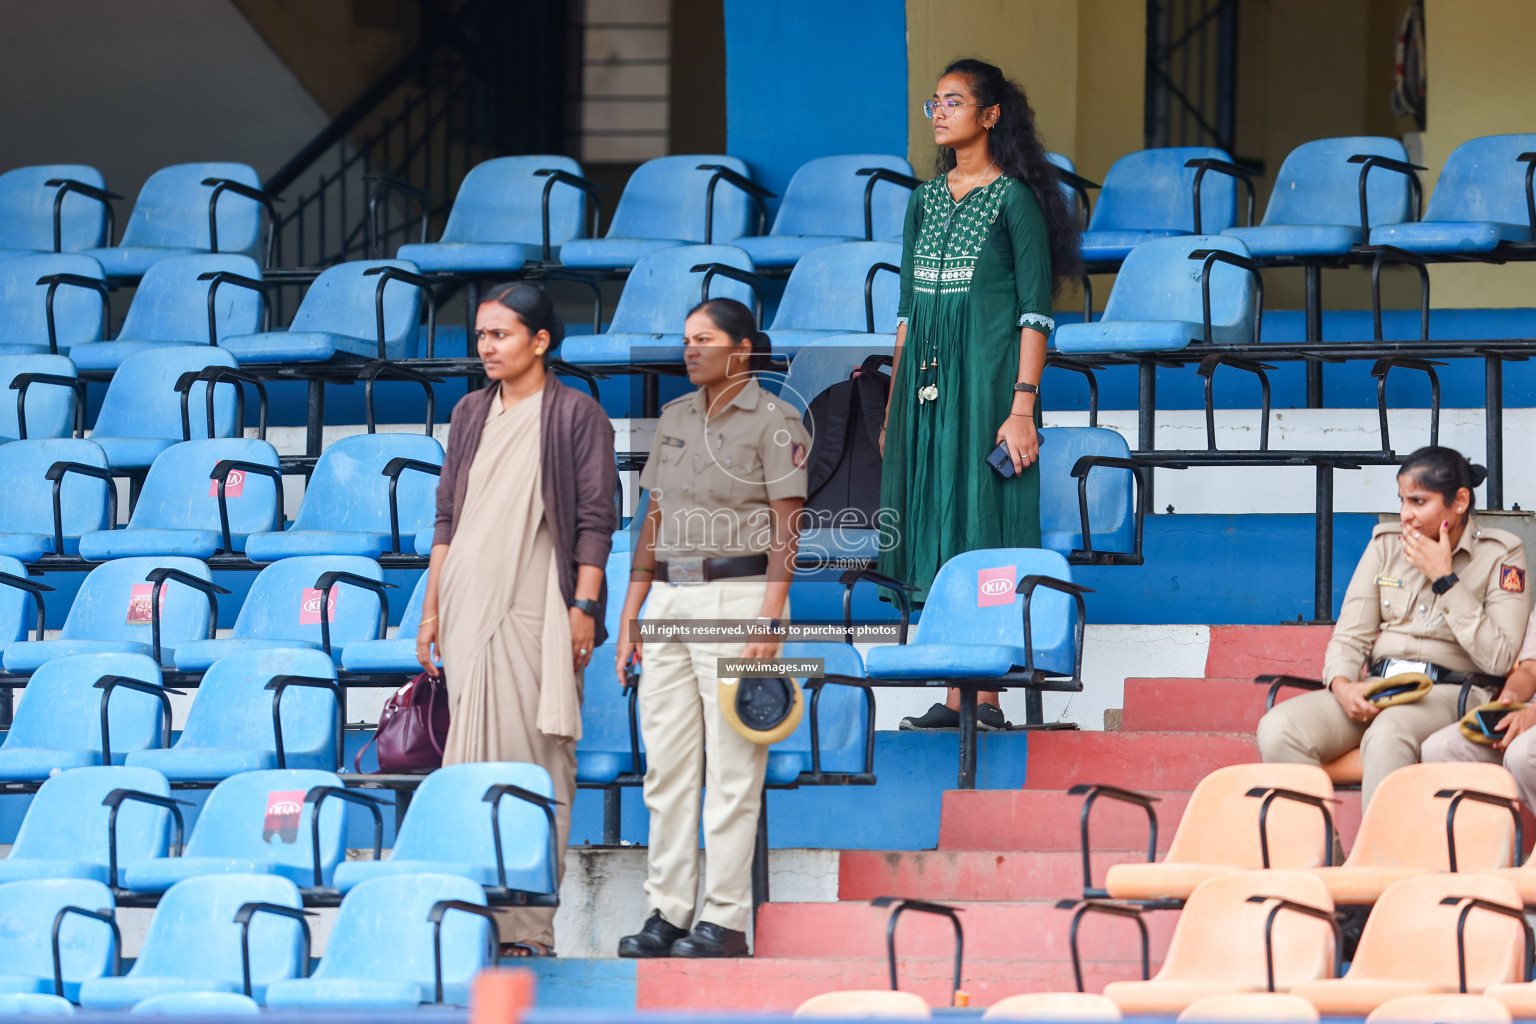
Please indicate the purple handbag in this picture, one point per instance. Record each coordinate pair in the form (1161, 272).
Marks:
(412, 728)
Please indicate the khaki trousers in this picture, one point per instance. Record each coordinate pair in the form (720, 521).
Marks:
(680, 721)
(1312, 728)
(1449, 744)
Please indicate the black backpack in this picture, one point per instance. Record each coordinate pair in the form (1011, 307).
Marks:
(843, 473)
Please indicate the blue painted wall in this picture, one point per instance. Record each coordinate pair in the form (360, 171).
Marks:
(809, 78)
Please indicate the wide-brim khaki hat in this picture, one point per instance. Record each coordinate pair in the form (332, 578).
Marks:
(1403, 688)
(764, 709)
(1469, 725)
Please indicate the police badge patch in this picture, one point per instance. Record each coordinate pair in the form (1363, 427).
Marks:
(1512, 579)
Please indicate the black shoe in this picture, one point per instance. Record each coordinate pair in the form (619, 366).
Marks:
(937, 717)
(711, 940)
(654, 939)
(989, 718)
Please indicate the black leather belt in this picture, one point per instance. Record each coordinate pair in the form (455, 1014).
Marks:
(1438, 673)
(706, 570)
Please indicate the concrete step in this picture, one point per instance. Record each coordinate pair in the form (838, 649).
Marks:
(949, 875)
(990, 820)
(1047, 820)
(1193, 705)
(993, 930)
(1246, 651)
(765, 983)
(1143, 761)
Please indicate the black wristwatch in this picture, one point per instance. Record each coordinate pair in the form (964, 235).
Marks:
(1444, 583)
(1027, 387)
(587, 605)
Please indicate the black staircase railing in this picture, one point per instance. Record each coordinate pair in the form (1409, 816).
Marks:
(382, 190)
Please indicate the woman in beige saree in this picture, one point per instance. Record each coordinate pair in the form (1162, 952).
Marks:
(515, 590)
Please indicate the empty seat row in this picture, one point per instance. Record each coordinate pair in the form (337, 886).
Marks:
(182, 209)
(224, 494)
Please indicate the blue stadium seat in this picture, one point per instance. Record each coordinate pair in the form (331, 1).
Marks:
(87, 948)
(113, 613)
(338, 315)
(49, 400)
(1314, 209)
(447, 830)
(178, 508)
(26, 514)
(1155, 305)
(140, 414)
(230, 727)
(958, 638)
(170, 218)
(497, 221)
(26, 210)
(647, 324)
(396, 654)
(664, 205)
(18, 606)
(824, 203)
(208, 1005)
(78, 307)
(1479, 201)
(58, 722)
(826, 294)
(35, 1004)
(423, 543)
(347, 505)
(842, 719)
(1111, 495)
(1150, 194)
(65, 833)
(170, 307)
(255, 823)
(282, 610)
(194, 943)
(380, 954)
(603, 752)
(825, 361)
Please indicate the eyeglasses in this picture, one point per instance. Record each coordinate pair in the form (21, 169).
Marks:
(931, 108)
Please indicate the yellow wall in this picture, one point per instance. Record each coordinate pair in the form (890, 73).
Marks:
(1481, 82)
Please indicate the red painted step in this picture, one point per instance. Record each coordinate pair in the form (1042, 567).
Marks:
(1024, 931)
(762, 983)
(1029, 819)
(949, 875)
(1045, 820)
(1242, 652)
(1195, 705)
(1143, 761)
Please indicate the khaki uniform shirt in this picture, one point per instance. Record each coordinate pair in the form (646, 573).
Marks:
(712, 476)
(1390, 611)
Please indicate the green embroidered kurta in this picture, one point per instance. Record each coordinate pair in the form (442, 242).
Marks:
(972, 274)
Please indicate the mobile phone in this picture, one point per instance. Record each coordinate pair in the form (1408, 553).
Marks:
(631, 674)
(1000, 460)
(1393, 691)
(1488, 720)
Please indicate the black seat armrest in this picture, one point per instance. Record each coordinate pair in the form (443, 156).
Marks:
(114, 801)
(557, 177)
(899, 591)
(108, 685)
(493, 796)
(388, 274)
(243, 918)
(392, 469)
(66, 186)
(54, 282)
(22, 381)
(159, 577)
(280, 685)
(32, 587)
(317, 796)
(435, 916)
(221, 471)
(56, 474)
(1091, 792)
(1231, 170)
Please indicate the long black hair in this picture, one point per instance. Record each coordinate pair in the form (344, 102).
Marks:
(1019, 153)
(736, 320)
(1444, 471)
(533, 308)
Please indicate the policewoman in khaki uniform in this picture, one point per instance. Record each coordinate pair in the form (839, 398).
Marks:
(1434, 593)
(727, 481)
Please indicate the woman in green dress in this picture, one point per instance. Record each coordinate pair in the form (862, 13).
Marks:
(986, 245)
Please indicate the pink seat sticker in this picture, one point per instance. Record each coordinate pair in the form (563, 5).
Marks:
(995, 586)
(138, 603)
(235, 487)
(282, 819)
(309, 612)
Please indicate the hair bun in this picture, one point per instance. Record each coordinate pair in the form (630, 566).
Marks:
(556, 328)
(1477, 473)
